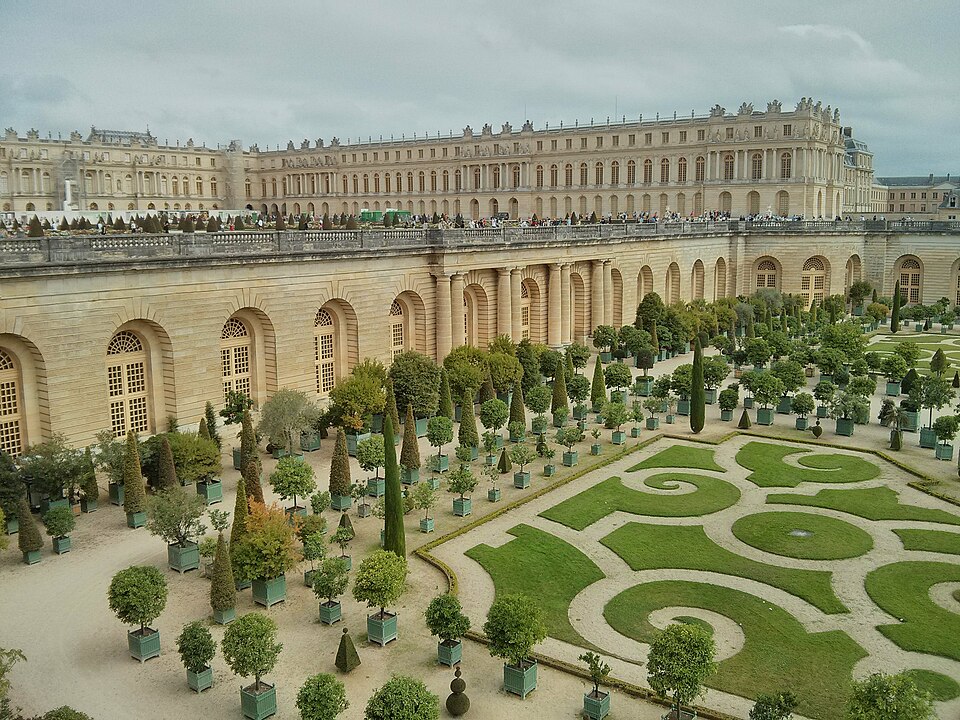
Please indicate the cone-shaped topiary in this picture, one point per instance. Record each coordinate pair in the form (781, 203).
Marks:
(29, 539)
(213, 225)
(238, 224)
(956, 379)
(347, 657)
(394, 538)
(281, 223)
(390, 408)
(34, 227)
(467, 434)
(487, 391)
(559, 402)
(352, 223)
(387, 220)
(744, 423)
(598, 391)
(118, 223)
(697, 390)
(517, 412)
(347, 524)
(134, 495)
(187, 226)
(88, 477)
(202, 431)
(64, 225)
(327, 224)
(340, 466)
(446, 402)
(223, 589)
(210, 414)
(248, 440)
(410, 453)
(251, 481)
(504, 465)
(239, 526)
(168, 473)
(571, 371)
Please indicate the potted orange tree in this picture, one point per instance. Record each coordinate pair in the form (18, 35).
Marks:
(137, 596)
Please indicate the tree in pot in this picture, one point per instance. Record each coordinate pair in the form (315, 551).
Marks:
(293, 477)
(340, 482)
(52, 470)
(467, 434)
(60, 522)
(424, 498)
(568, 437)
(321, 697)
(845, 406)
(945, 427)
(767, 390)
(445, 620)
(802, 405)
(197, 648)
(380, 581)
(314, 547)
(790, 373)
(416, 382)
(728, 400)
(681, 658)
(29, 540)
(889, 697)
(931, 393)
(559, 402)
(342, 538)
(894, 367)
(250, 647)
(522, 454)
(410, 451)
(546, 453)
(134, 493)
(462, 482)
(89, 489)
(615, 414)
(370, 456)
(223, 590)
(439, 433)
(617, 377)
(12, 490)
(394, 537)
(779, 706)
(653, 406)
(538, 401)
(596, 704)
(402, 697)
(824, 392)
(330, 582)
(604, 339)
(514, 625)
(266, 552)
(137, 596)
(578, 388)
(175, 515)
(493, 415)
(286, 415)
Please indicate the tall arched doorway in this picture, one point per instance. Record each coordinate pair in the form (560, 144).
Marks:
(128, 384)
(235, 358)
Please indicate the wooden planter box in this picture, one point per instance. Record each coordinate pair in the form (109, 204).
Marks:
(376, 487)
(893, 388)
(439, 463)
(644, 386)
(341, 502)
(426, 525)
(845, 426)
(748, 403)
(726, 415)
(136, 520)
(822, 411)
(183, 558)
(653, 423)
(88, 505)
(449, 652)
(258, 703)
(271, 591)
(520, 680)
(911, 421)
(145, 646)
(433, 482)
(32, 557)
(785, 405)
(330, 612)
(944, 452)
(570, 458)
(211, 491)
(309, 441)
(580, 412)
(282, 453)
(46, 505)
(409, 476)
(364, 510)
(635, 431)
(353, 439)
(596, 706)
(382, 630)
(200, 681)
(710, 396)
(225, 617)
(493, 494)
(64, 544)
(595, 449)
(236, 459)
(549, 470)
(115, 492)
(803, 423)
(764, 416)
(521, 480)
(462, 506)
(618, 437)
(928, 438)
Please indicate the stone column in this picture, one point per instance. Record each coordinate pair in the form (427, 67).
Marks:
(504, 304)
(553, 317)
(596, 295)
(566, 311)
(608, 292)
(516, 324)
(456, 311)
(444, 334)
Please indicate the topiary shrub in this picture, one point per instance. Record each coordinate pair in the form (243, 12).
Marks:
(137, 595)
(402, 697)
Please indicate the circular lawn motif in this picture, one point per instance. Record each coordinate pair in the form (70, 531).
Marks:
(805, 536)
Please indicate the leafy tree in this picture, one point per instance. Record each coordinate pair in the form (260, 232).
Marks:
(505, 370)
(614, 414)
(931, 392)
(680, 380)
(285, 416)
(758, 351)
(550, 360)
(410, 452)
(598, 392)
(380, 580)
(250, 647)
(889, 697)
(138, 595)
(802, 404)
(11, 487)
(945, 427)
(529, 358)
(445, 618)
(235, 405)
(355, 399)
(402, 698)
(267, 549)
(728, 399)
(697, 390)
(28, 538)
(439, 433)
(370, 454)
(679, 662)
(394, 538)
(424, 497)
(330, 579)
(514, 625)
(196, 646)
(768, 389)
(578, 388)
(790, 373)
(340, 481)
(493, 414)
(578, 354)
(446, 401)
(416, 382)
(251, 481)
(604, 338)
(291, 478)
(134, 493)
(715, 371)
(65, 713)
(52, 468)
(597, 668)
(939, 363)
(223, 589)
(774, 707)
(467, 434)
(894, 367)
(618, 376)
(321, 697)
(174, 515)
(559, 402)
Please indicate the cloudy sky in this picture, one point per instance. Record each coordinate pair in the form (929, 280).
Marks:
(264, 72)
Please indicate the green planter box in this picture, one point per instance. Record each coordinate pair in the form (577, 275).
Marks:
(748, 403)
(183, 558)
(46, 505)
(382, 630)
(494, 494)
(710, 396)
(784, 406)
(64, 544)
(516, 438)
(580, 412)
(32, 557)
(115, 492)
(635, 431)
(845, 426)
(270, 592)
(409, 476)
(308, 577)
(376, 423)
(136, 520)
(644, 386)
(258, 703)
(449, 652)
(211, 491)
(570, 458)
(309, 441)
(618, 437)
(421, 426)
(521, 480)
(558, 423)
(520, 680)
(282, 453)
(462, 506)
(595, 449)
(653, 423)
(606, 357)
(928, 438)
(353, 439)
(88, 505)
(918, 327)
(236, 459)
(726, 415)
(433, 482)
(549, 470)
(376, 487)
(911, 421)
(822, 411)
(538, 425)
(330, 612)
(200, 681)
(893, 388)
(440, 463)
(348, 560)
(670, 418)
(943, 452)
(341, 502)
(490, 460)
(426, 525)
(764, 416)
(802, 423)
(143, 647)
(619, 396)
(596, 706)
(225, 617)
(295, 510)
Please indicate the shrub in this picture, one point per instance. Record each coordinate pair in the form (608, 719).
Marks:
(493, 414)
(514, 625)
(370, 454)
(416, 381)
(321, 697)
(175, 515)
(340, 481)
(285, 415)
(267, 549)
(410, 450)
(394, 537)
(679, 661)
(445, 618)
(223, 589)
(402, 698)
(467, 434)
(28, 538)
(330, 579)
(461, 481)
(292, 477)
(59, 522)
(134, 498)
(250, 646)
(380, 579)
(196, 646)
(138, 595)
(888, 697)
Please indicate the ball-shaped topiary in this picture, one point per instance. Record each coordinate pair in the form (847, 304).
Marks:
(137, 595)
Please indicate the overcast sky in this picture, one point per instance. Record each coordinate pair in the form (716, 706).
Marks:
(268, 72)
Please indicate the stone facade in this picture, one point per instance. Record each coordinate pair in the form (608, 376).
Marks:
(123, 331)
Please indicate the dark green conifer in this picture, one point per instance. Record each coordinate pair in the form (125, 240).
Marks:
(394, 539)
(410, 452)
(347, 657)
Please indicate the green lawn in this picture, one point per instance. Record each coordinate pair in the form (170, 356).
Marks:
(765, 461)
(681, 456)
(545, 568)
(880, 503)
(902, 589)
(655, 547)
(611, 495)
(831, 539)
(930, 540)
(777, 654)
(940, 687)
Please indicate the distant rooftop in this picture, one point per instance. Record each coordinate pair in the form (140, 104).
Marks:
(122, 137)
(915, 180)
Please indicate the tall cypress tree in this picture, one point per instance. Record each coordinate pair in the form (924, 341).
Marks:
(340, 463)
(168, 473)
(559, 401)
(571, 371)
(239, 526)
(446, 402)
(223, 588)
(391, 410)
(134, 495)
(248, 440)
(393, 532)
(467, 434)
(697, 391)
(211, 416)
(598, 389)
(202, 430)
(895, 313)
(251, 480)
(517, 412)
(410, 452)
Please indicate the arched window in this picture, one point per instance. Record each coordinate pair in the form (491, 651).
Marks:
(343, 183)
(766, 274)
(421, 181)
(127, 384)
(199, 186)
(496, 177)
(516, 176)
(376, 183)
(664, 170)
(433, 181)
(583, 174)
(756, 166)
(682, 170)
(568, 175)
(726, 202)
(813, 281)
(176, 186)
(324, 352)
(399, 183)
(213, 186)
(12, 436)
(783, 203)
(386, 183)
(476, 178)
(598, 174)
(911, 278)
(631, 172)
(539, 176)
(647, 171)
(235, 357)
(524, 312)
(458, 180)
(366, 184)
(786, 166)
(446, 181)
(728, 166)
(397, 329)
(553, 175)
(614, 173)
(248, 188)
(410, 182)
(699, 169)
(356, 185)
